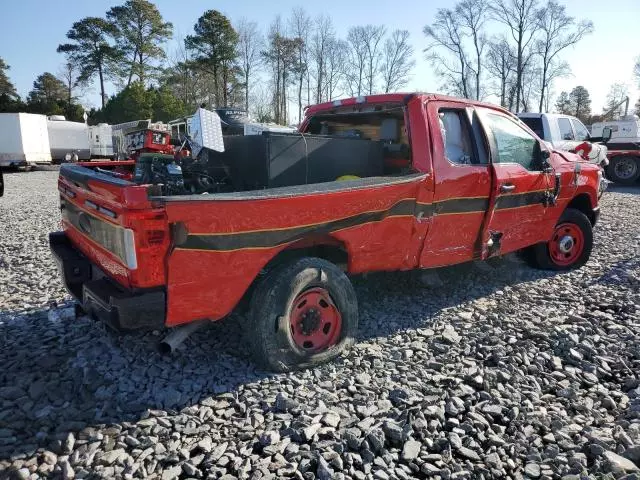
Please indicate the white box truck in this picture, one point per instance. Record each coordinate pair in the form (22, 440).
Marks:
(23, 140)
(624, 148)
(101, 141)
(69, 141)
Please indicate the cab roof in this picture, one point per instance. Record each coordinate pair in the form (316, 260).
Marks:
(401, 98)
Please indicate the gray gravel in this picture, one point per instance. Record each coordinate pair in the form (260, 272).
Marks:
(504, 372)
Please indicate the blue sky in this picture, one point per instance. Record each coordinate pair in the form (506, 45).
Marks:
(32, 29)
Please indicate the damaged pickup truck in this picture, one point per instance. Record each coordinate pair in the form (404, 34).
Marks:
(272, 224)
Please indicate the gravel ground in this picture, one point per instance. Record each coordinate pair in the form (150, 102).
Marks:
(507, 372)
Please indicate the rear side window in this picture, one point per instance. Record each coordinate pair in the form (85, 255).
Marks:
(582, 133)
(535, 124)
(457, 138)
(566, 133)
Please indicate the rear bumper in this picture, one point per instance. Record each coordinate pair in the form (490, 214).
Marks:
(102, 298)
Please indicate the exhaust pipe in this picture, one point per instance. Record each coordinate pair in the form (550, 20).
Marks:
(171, 342)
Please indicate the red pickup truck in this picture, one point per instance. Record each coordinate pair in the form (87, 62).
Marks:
(454, 181)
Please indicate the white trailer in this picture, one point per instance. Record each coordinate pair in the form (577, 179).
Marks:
(24, 140)
(69, 141)
(101, 141)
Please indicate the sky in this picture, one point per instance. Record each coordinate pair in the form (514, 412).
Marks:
(32, 29)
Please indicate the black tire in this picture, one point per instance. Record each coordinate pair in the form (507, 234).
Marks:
(540, 256)
(269, 331)
(621, 169)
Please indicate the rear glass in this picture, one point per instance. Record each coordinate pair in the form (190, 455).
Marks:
(535, 124)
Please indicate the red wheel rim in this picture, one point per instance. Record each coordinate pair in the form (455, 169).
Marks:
(315, 321)
(566, 244)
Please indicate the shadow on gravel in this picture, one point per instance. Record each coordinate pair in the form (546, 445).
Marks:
(621, 273)
(61, 376)
(615, 188)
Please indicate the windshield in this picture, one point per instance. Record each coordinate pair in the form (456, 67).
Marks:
(534, 124)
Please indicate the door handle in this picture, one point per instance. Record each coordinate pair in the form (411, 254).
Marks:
(507, 187)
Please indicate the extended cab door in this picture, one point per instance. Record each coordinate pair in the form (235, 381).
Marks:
(462, 184)
(520, 188)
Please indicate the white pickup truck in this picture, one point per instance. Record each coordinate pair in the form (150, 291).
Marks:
(564, 132)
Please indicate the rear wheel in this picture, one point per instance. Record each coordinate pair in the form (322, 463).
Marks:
(624, 170)
(303, 313)
(569, 246)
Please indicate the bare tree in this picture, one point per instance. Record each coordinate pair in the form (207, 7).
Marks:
(473, 16)
(322, 37)
(69, 74)
(281, 56)
(261, 106)
(357, 61)
(336, 56)
(520, 16)
(501, 64)
(557, 31)
(250, 44)
(636, 70)
(186, 81)
(300, 26)
(529, 81)
(616, 96)
(446, 34)
(373, 35)
(397, 61)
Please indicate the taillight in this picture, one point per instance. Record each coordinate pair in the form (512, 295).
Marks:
(130, 249)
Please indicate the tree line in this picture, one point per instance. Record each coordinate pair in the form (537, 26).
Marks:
(300, 60)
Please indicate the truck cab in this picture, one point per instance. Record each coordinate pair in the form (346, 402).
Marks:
(376, 183)
(567, 133)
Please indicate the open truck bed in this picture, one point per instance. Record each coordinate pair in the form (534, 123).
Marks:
(129, 233)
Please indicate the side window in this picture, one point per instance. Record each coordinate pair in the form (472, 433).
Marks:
(582, 133)
(456, 137)
(514, 144)
(565, 129)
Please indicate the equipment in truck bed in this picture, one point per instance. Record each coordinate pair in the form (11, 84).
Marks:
(278, 160)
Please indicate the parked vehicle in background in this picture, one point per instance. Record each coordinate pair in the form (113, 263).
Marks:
(120, 142)
(441, 181)
(24, 140)
(623, 146)
(101, 141)
(69, 141)
(567, 133)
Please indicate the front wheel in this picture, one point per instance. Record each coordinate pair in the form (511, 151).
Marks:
(624, 170)
(302, 314)
(569, 246)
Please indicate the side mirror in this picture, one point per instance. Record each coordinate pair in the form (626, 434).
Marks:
(606, 134)
(567, 136)
(545, 164)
